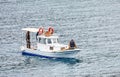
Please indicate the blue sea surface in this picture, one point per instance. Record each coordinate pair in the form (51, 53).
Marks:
(93, 24)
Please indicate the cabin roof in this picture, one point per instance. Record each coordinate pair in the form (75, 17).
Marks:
(36, 30)
(31, 29)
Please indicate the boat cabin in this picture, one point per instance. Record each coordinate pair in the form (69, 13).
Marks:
(50, 43)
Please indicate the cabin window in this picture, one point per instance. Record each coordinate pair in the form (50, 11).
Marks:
(55, 40)
(39, 40)
(43, 41)
(49, 41)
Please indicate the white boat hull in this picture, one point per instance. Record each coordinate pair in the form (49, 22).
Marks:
(61, 54)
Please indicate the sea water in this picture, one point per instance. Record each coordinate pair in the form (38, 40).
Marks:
(93, 24)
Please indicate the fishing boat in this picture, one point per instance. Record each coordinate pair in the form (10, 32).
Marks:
(47, 45)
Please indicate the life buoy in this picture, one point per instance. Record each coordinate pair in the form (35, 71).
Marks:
(41, 30)
(51, 30)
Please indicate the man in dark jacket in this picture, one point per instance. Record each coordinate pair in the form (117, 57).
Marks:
(28, 39)
(72, 44)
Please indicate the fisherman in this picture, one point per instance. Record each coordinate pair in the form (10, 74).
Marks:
(28, 39)
(72, 44)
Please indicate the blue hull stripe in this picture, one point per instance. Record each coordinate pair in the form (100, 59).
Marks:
(30, 54)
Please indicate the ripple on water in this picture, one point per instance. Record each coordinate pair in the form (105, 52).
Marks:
(94, 25)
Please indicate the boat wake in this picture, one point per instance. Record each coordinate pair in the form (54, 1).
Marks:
(54, 60)
(68, 60)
